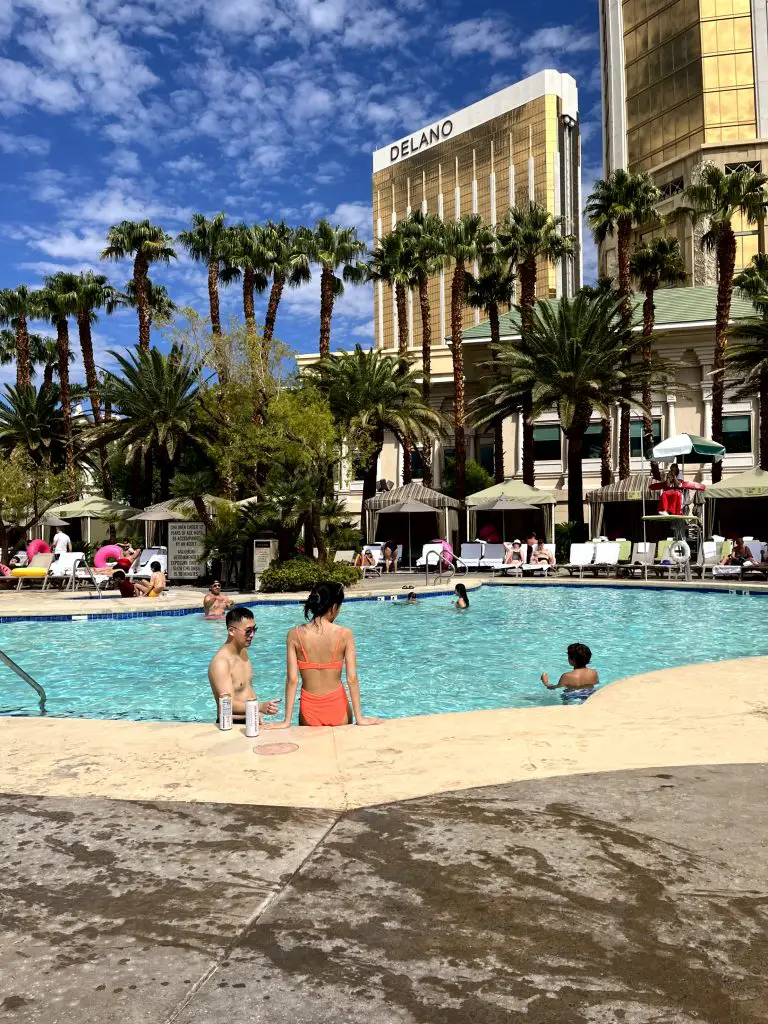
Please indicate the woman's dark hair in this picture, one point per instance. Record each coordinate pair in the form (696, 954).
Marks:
(322, 598)
(580, 655)
(461, 591)
(155, 566)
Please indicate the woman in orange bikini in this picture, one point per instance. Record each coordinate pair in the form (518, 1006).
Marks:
(318, 650)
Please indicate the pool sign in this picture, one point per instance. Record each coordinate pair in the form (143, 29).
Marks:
(185, 550)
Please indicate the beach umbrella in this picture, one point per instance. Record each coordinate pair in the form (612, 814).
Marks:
(503, 504)
(699, 449)
(50, 520)
(408, 508)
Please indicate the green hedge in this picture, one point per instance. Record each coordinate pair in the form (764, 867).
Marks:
(302, 574)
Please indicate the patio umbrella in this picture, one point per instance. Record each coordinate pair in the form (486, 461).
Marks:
(503, 504)
(94, 507)
(700, 449)
(408, 508)
(49, 520)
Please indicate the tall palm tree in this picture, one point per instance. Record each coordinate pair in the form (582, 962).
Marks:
(146, 243)
(717, 197)
(210, 241)
(423, 232)
(160, 306)
(45, 353)
(653, 264)
(616, 205)
(528, 235)
(333, 248)
(573, 358)
(18, 306)
(246, 255)
(9, 349)
(285, 260)
(370, 392)
(746, 362)
(463, 241)
(59, 301)
(492, 288)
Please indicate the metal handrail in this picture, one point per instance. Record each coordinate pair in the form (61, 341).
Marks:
(27, 679)
(439, 557)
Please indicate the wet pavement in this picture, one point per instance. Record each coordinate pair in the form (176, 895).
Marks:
(618, 898)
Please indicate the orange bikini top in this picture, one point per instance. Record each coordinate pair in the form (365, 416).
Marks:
(336, 665)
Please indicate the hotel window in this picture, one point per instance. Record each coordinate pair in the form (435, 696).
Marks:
(737, 435)
(748, 165)
(486, 458)
(417, 464)
(547, 446)
(672, 188)
(593, 441)
(636, 436)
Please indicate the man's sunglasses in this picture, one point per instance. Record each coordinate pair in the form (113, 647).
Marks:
(248, 630)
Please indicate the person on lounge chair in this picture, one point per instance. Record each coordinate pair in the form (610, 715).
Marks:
(514, 555)
(740, 554)
(542, 555)
(581, 682)
(364, 560)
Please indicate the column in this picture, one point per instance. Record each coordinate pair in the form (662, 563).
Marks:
(531, 179)
(519, 445)
(671, 422)
(441, 215)
(511, 181)
(423, 191)
(379, 289)
(492, 189)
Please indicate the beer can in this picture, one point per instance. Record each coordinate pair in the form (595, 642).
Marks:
(225, 712)
(252, 718)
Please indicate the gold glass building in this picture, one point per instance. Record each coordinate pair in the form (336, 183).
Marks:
(519, 144)
(685, 82)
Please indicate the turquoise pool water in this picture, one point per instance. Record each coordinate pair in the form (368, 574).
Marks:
(412, 660)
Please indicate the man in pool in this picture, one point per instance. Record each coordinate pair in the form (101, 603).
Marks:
(581, 682)
(215, 604)
(230, 671)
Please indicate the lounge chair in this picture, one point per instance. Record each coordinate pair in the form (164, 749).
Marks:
(63, 569)
(662, 552)
(344, 556)
(36, 570)
(541, 568)
(709, 559)
(472, 554)
(725, 572)
(643, 554)
(493, 557)
(606, 558)
(431, 555)
(580, 558)
(149, 555)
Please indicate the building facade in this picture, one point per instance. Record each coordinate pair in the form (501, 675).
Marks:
(685, 82)
(519, 144)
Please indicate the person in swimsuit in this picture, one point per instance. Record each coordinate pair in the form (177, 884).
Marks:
(318, 651)
(462, 597)
(389, 551)
(156, 584)
(215, 604)
(230, 671)
(542, 555)
(581, 682)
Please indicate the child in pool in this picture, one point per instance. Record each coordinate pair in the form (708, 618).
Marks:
(581, 682)
(462, 597)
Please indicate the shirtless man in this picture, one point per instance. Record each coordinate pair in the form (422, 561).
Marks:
(581, 682)
(215, 604)
(230, 671)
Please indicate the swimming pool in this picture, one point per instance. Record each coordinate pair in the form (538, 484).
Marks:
(412, 660)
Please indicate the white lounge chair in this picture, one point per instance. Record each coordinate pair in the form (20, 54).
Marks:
(709, 558)
(149, 555)
(431, 554)
(580, 558)
(472, 554)
(643, 554)
(493, 557)
(606, 557)
(64, 568)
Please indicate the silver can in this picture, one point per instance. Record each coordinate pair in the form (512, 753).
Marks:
(225, 712)
(252, 718)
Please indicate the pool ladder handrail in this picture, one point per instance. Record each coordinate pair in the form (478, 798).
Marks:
(27, 679)
(448, 573)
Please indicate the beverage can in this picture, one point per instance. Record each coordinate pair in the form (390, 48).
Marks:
(225, 712)
(252, 717)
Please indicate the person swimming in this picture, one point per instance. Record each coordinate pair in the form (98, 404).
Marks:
(215, 604)
(318, 651)
(462, 597)
(581, 682)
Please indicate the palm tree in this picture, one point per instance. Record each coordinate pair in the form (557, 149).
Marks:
(652, 264)
(334, 249)
(32, 419)
(17, 306)
(370, 392)
(463, 241)
(531, 234)
(246, 254)
(423, 234)
(493, 287)
(616, 205)
(160, 306)
(573, 357)
(148, 244)
(58, 302)
(717, 198)
(211, 242)
(284, 260)
(156, 397)
(746, 362)
(46, 354)
(9, 350)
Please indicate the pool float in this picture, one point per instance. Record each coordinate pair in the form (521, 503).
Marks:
(112, 551)
(37, 547)
(4, 570)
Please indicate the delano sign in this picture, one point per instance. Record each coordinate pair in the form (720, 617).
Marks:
(416, 143)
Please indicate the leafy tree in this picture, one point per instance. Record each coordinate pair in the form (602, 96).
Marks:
(58, 301)
(27, 490)
(17, 306)
(477, 477)
(334, 249)
(146, 243)
(653, 264)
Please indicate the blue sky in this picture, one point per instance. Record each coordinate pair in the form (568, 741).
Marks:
(113, 109)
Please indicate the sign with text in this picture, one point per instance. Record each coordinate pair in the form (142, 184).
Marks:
(185, 550)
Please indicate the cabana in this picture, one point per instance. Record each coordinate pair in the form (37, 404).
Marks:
(93, 507)
(515, 491)
(738, 505)
(610, 511)
(447, 509)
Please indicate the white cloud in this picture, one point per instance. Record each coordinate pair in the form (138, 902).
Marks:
(22, 86)
(480, 35)
(354, 215)
(123, 161)
(548, 46)
(32, 145)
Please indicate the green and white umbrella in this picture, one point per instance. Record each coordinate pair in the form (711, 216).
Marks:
(697, 449)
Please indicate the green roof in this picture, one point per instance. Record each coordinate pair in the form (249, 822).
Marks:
(674, 307)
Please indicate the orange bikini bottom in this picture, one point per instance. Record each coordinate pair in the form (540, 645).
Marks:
(326, 709)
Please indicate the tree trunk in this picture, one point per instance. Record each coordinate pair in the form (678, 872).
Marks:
(213, 296)
(202, 511)
(402, 351)
(310, 539)
(148, 477)
(575, 436)
(140, 272)
(527, 273)
(498, 423)
(249, 311)
(62, 339)
(726, 261)
(370, 476)
(326, 311)
(426, 366)
(275, 294)
(86, 345)
(165, 474)
(459, 397)
(624, 240)
(48, 376)
(649, 319)
(136, 480)
(763, 414)
(606, 470)
(23, 368)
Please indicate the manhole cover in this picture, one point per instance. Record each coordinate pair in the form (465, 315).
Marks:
(269, 749)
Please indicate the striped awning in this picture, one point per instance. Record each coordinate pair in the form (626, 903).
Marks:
(411, 492)
(634, 488)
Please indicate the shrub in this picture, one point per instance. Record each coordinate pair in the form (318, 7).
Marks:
(302, 574)
(478, 479)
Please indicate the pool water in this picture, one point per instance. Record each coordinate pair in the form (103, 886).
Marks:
(411, 660)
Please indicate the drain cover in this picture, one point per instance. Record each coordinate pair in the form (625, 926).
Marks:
(270, 749)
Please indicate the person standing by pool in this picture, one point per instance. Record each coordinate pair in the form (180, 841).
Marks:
(230, 672)
(318, 651)
(389, 552)
(61, 543)
(581, 682)
(462, 597)
(215, 604)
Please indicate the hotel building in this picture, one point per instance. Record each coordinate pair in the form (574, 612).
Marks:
(685, 82)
